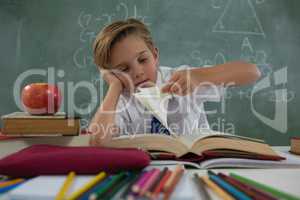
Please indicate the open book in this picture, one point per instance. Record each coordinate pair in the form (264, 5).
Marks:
(212, 144)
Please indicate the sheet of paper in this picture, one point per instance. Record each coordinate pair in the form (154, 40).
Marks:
(155, 101)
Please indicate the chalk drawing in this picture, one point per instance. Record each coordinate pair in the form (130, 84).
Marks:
(247, 23)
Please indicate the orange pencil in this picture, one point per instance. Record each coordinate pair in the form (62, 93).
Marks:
(173, 181)
(172, 177)
(11, 182)
(161, 184)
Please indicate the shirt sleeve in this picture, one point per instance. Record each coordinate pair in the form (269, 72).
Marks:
(122, 117)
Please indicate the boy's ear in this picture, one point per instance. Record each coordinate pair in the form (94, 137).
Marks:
(156, 53)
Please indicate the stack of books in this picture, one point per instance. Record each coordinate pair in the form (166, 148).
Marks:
(24, 124)
(295, 145)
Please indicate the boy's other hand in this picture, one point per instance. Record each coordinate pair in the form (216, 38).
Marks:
(180, 83)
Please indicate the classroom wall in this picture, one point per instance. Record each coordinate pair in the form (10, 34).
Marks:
(54, 37)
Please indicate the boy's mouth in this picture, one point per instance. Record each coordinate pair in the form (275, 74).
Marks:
(144, 83)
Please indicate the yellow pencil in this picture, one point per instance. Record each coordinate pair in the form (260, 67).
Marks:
(11, 182)
(220, 192)
(87, 186)
(65, 187)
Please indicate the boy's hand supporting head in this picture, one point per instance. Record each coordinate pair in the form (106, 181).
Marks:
(111, 78)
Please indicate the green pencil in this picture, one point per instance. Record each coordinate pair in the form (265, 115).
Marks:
(114, 180)
(266, 188)
(116, 188)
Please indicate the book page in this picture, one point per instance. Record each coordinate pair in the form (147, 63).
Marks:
(148, 141)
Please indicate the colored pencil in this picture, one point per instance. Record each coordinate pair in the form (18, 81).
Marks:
(65, 187)
(134, 178)
(161, 184)
(114, 180)
(217, 190)
(148, 182)
(275, 192)
(170, 185)
(156, 182)
(99, 177)
(116, 188)
(249, 190)
(11, 182)
(94, 189)
(226, 186)
(201, 187)
(139, 184)
(10, 187)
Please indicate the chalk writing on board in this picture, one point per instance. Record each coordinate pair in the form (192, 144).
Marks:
(288, 97)
(90, 24)
(259, 57)
(247, 23)
(218, 58)
(81, 59)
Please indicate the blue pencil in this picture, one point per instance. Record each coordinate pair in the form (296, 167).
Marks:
(10, 187)
(227, 187)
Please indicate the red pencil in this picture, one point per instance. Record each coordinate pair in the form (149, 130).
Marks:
(161, 184)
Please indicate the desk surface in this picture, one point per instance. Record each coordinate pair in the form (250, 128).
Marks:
(284, 179)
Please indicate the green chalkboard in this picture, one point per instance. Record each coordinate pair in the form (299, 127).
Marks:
(53, 38)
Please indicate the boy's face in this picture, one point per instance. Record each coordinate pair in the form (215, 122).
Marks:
(138, 64)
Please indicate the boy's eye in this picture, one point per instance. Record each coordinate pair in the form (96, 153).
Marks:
(124, 68)
(143, 60)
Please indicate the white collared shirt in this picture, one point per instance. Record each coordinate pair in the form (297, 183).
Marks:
(185, 113)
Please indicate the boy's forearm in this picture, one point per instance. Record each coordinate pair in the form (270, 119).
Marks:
(235, 73)
(105, 115)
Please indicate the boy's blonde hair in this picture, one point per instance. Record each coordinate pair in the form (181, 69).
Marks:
(114, 33)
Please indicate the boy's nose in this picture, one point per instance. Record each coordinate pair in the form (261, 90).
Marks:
(138, 72)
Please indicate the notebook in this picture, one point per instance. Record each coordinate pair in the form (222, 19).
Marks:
(291, 161)
(45, 187)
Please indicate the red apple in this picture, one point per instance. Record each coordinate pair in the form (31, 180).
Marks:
(41, 98)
